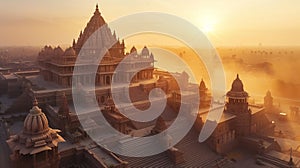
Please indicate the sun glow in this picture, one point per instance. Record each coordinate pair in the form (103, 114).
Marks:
(207, 24)
(208, 28)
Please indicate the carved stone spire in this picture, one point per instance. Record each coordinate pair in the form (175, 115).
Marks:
(64, 107)
(97, 10)
(104, 38)
(74, 43)
(202, 85)
(115, 36)
(35, 102)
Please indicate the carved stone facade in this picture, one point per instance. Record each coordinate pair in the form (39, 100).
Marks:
(37, 145)
(57, 65)
(65, 120)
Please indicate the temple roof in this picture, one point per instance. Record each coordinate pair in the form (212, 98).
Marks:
(133, 49)
(70, 52)
(237, 85)
(58, 51)
(36, 136)
(237, 89)
(202, 85)
(36, 121)
(103, 38)
(145, 51)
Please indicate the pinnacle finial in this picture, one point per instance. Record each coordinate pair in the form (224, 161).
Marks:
(74, 43)
(237, 76)
(35, 102)
(97, 10)
(114, 34)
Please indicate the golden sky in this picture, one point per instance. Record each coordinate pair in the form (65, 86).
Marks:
(236, 22)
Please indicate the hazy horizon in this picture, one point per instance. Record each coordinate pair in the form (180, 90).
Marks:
(239, 23)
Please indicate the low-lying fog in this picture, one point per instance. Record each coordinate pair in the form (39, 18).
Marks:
(260, 68)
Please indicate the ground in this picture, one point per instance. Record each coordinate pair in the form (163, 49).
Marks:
(287, 134)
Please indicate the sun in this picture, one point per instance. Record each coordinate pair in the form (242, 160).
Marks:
(207, 23)
(208, 28)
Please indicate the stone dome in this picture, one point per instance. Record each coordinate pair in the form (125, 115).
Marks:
(58, 51)
(237, 89)
(70, 52)
(46, 51)
(36, 136)
(237, 85)
(133, 50)
(36, 121)
(145, 51)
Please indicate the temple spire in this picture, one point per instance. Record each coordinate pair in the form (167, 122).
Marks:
(97, 10)
(74, 43)
(114, 34)
(35, 102)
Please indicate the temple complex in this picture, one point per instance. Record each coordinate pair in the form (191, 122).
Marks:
(241, 125)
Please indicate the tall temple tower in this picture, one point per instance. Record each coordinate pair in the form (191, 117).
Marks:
(37, 145)
(268, 101)
(237, 104)
(205, 98)
(104, 39)
(57, 65)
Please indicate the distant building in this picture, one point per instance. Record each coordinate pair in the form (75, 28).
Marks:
(237, 104)
(268, 102)
(239, 121)
(205, 98)
(10, 84)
